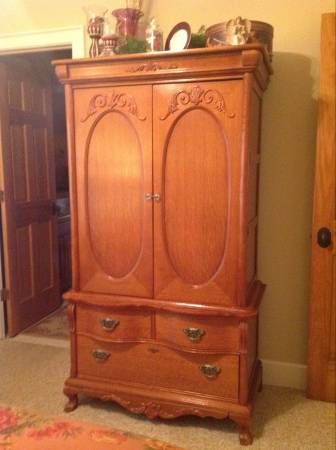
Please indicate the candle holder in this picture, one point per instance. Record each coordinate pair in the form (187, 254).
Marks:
(110, 42)
(95, 27)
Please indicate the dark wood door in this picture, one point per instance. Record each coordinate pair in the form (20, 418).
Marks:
(27, 180)
(197, 173)
(113, 173)
(322, 324)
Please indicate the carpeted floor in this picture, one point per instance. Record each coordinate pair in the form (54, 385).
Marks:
(32, 378)
(54, 326)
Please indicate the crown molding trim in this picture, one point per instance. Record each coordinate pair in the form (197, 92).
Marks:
(40, 40)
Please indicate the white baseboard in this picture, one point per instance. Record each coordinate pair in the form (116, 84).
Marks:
(277, 373)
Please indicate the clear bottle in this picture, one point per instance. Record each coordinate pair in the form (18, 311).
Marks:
(154, 36)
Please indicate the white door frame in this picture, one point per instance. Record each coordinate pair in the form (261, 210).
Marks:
(56, 38)
(53, 39)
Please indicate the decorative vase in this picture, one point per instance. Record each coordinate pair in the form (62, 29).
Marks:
(127, 21)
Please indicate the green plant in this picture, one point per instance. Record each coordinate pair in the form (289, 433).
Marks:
(198, 40)
(132, 45)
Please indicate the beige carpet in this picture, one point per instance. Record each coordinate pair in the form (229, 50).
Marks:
(32, 376)
(54, 326)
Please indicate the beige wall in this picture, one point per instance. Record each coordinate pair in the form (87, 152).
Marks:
(288, 146)
(288, 141)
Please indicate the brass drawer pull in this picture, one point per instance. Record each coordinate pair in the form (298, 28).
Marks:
(100, 355)
(210, 371)
(109, 324)
(194, 334)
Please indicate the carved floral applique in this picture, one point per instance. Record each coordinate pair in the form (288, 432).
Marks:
(196, 96)
(111, 102)
(149, 67)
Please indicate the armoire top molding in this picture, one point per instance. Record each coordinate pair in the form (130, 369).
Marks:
(231, 61)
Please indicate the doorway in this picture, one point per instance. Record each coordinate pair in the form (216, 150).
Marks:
(42, 242)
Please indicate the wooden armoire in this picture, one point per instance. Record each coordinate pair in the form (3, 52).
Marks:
(164, 167)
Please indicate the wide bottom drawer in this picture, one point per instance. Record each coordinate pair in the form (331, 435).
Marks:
(156, 365)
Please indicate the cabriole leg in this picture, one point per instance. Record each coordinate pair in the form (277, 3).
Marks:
(244, 426)
(245, 435)
(72, 403)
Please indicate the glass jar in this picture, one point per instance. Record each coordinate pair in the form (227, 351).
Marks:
(154, 36)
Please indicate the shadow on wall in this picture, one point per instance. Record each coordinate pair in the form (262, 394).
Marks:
(286, 187)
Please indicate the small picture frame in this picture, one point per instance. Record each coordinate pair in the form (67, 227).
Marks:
(179, 37)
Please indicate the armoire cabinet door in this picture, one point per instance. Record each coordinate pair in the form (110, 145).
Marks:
(113, 145)
(197, 172)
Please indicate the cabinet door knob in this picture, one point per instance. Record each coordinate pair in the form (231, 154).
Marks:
(109, 324)
(156, 197)
(194, 334)
(210, 371)
(100, 355)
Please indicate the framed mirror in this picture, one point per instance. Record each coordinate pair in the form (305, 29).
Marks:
(179, 37)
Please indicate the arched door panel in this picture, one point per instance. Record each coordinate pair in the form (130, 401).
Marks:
(196, 173)
(114, 158)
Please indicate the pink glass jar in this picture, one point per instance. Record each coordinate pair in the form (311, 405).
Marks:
(127, 21)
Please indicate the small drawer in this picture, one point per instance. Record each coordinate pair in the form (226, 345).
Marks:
(213, 334)
(112, 324)
(114, 361)
(216, 375)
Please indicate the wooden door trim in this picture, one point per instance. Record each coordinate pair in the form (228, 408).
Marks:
(321, 346)
(28, 221)
(6, 186)
(57, 38)
(69, 106)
